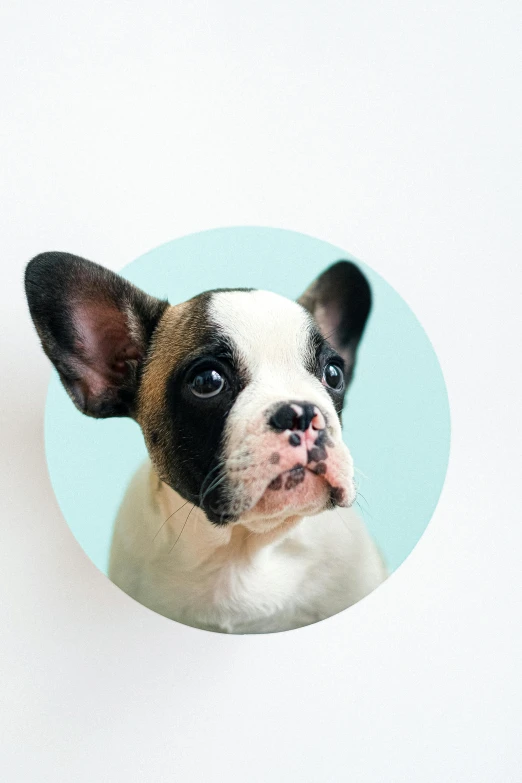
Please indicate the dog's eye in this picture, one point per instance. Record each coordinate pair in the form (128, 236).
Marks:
(333, 377)
(207, 383)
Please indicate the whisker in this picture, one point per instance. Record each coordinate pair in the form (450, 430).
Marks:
(327, 336)
(174, 512)
(183, 528)
(214, 483)
(365, 511)
(217, 481)
(360, 495)
(343, 520)
(219, 466)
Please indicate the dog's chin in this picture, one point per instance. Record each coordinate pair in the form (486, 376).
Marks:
(295, 495)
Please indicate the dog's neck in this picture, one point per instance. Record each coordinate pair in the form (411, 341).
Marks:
(171, 558)
(190, 536)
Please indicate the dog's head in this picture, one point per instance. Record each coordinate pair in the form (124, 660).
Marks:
(238, 393)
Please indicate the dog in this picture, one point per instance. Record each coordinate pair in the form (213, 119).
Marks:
(241, 520)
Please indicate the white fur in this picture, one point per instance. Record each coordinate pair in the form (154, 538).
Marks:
(231, 580)
(265, 572)
(269, 330)
(271, 336)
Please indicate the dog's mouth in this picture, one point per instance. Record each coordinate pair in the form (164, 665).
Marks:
(301, 489)
(289, 479)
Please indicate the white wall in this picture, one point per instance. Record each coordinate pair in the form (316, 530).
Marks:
(392, 130)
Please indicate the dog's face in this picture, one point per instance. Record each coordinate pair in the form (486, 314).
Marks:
(238, 392)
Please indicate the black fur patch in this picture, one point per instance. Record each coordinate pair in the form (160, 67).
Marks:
(197, 424)
(276, 483)
(337, 495)
(316, 454)
(294, 477)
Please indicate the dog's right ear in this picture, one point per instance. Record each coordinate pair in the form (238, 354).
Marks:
(340, 301)
(95, 327)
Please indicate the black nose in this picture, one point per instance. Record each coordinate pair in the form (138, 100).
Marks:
(292, 416)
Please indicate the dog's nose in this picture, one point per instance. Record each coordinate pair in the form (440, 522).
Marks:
(297, 416)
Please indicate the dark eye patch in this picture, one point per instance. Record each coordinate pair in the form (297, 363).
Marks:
(197, 424)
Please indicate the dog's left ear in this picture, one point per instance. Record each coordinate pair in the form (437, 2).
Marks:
(340, 301)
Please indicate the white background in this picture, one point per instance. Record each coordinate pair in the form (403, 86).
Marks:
(392, 130)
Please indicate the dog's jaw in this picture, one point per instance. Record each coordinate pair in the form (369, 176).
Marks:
(196, 538)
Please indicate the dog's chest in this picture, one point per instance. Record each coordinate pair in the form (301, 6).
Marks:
(190, 573)
(276, 587)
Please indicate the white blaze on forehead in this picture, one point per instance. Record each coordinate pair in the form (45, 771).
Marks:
(266, 329)
(272, 337)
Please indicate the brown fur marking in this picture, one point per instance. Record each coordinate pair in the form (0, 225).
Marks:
(178, 334)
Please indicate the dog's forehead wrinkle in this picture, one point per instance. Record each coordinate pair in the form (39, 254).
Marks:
(265, 328)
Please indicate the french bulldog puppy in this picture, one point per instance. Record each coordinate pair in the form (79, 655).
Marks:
(241, 520)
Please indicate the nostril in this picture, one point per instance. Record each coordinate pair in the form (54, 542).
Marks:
(296, 416)
(283, 418)
(304, 413)
(318, 422)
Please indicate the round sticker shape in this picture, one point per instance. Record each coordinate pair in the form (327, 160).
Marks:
(396, 420)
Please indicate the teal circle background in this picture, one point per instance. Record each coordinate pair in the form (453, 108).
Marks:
(396, 419)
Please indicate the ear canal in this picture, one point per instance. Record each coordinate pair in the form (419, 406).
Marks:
(340, 301)
(95, 327)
